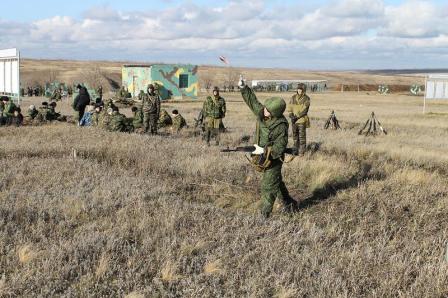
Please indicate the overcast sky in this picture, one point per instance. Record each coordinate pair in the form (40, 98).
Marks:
(322, 34)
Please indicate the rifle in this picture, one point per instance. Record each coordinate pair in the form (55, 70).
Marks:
(250, 149)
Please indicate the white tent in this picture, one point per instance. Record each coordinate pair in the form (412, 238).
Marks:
(436, 87)
(10, 73)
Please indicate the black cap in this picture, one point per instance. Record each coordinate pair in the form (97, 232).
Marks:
(5, 98)
(134, 109)
(45, 103)
(175, 112)
(78, 86)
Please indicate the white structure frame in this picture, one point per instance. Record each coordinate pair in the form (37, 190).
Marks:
(10, 73)
(319, 83)
(436, 88)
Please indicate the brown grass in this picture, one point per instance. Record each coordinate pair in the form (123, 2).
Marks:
(166, 216)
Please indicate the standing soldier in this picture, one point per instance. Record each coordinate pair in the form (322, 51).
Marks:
(214, 110)
(151, 110)
(81, 101)
(271, 141)
(99, 92)
(298, 112)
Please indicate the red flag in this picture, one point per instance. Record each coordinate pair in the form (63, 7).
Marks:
(224, 60)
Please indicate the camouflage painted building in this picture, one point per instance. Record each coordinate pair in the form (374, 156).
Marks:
(175, 81)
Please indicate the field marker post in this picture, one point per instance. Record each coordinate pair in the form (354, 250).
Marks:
(424, 97)
(18, 77)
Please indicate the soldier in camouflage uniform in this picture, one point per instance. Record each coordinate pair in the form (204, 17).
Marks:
(137, 120)
(214, 110)
(272, 140)
(117, 121)
(32, 112)
(298, 112)
(178, 121)
(57, 94)
(151, 110)
(99, 92)
(141, 95)
(164, 119)
(96, 114)
(42, 114)
(51, 113)
(104, 117)
(8, 107)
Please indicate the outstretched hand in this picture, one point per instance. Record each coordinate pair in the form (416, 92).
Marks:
(241, 82)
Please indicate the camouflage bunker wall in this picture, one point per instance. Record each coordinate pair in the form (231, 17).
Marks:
(175, 81)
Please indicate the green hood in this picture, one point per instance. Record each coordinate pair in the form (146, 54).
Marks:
(276, 106)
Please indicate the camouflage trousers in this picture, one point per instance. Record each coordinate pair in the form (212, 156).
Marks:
(212, 132)
(299, 136)
(150, 122)
(273, 187)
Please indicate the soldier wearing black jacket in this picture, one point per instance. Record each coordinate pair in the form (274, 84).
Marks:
(82, 100)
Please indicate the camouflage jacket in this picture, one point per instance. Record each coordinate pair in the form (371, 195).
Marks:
(52, 115)
(271, 132)
(137, 120)
(42, 114)
(164, 119)
(32, 113)
(8, 110)
(151, 104)
(117, 122)
(103, 120)
(179, 123)
(95, 118)
(214, 107)
(299, 106)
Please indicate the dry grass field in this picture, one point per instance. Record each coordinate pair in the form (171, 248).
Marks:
(88, 213)
(166, 216)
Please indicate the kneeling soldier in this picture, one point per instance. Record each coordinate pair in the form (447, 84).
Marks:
(178, 121)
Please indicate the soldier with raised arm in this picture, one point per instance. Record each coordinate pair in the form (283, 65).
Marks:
(271, 143)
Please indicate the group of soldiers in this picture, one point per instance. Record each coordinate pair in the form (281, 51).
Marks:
(148, 117)
(271, 136)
